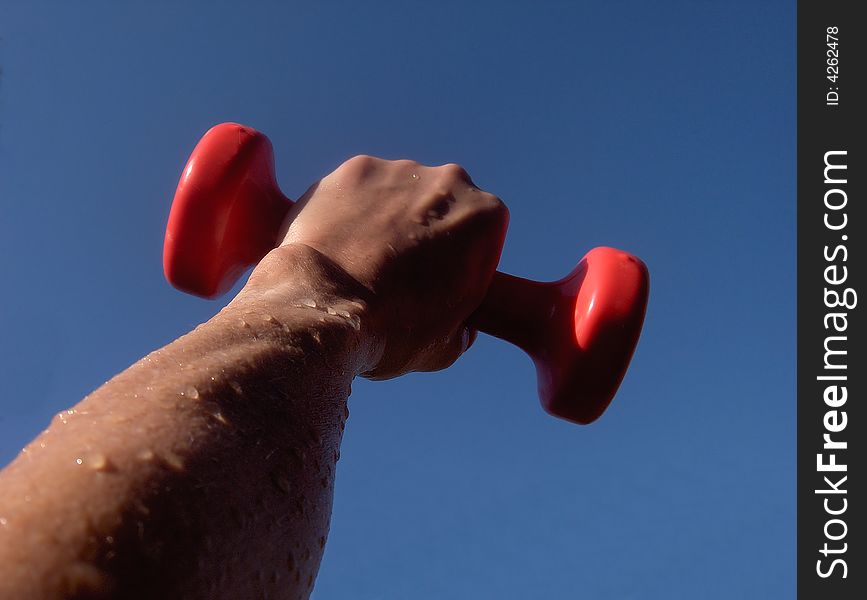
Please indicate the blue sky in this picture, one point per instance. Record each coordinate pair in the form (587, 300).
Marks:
(665, 129)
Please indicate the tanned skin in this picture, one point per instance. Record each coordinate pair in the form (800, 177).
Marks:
(206, 469)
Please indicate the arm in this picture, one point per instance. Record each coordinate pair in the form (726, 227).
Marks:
(206, 469)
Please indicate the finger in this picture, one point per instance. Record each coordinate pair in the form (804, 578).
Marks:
(444, 354)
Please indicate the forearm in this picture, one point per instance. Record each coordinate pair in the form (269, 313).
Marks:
(207, 465)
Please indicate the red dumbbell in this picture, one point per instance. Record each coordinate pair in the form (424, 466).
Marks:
(580, 331)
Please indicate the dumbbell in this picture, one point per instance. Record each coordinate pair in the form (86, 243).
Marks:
(580, 331)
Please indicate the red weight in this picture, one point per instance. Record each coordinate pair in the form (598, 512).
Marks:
(227, 211)
(580, 331)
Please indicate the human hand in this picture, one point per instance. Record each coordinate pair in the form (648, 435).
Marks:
(415, 246)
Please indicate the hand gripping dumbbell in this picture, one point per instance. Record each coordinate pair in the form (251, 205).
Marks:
(580, 331)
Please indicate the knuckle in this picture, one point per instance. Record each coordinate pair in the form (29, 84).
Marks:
(406, 163)
(455, 172)
(361, 160)
(358, 165)
(406, 167)
(491, 203)
(493, 211)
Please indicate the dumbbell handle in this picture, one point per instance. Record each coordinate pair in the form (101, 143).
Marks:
(580, 331)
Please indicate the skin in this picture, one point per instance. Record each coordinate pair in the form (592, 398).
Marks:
(206, 469)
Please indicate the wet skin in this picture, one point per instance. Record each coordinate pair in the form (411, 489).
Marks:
(206, 469)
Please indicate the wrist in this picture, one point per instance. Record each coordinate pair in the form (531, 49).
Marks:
(299, 297)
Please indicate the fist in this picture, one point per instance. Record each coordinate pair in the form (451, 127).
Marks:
(423, 242)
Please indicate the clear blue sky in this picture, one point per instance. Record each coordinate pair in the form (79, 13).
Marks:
(666, 129)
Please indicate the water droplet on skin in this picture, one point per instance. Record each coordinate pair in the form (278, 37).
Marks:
(415, 175)
(190, 392)
(343, 313)
(173, 461)
(309, 303)
(146, 455)
(71, 411)
(79, 461)
(3, 521)
(331, 311)
(98, 462)
(218, 416)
